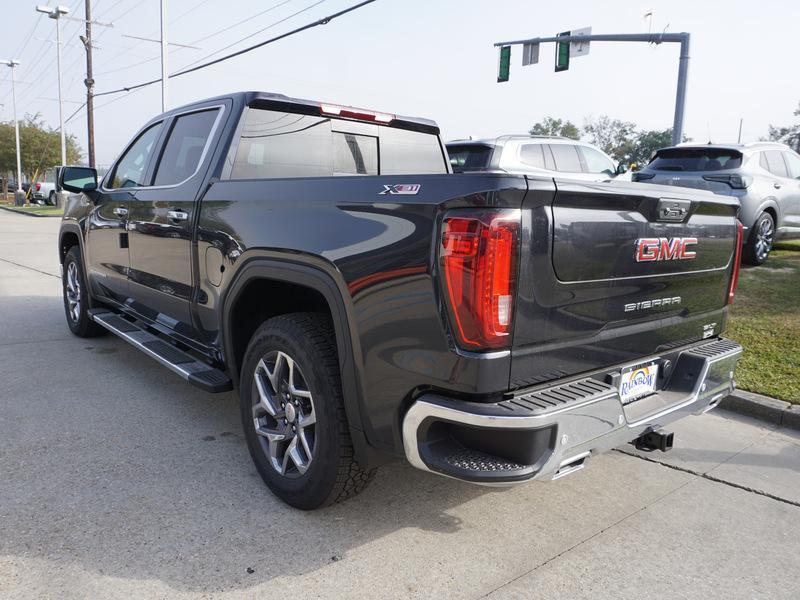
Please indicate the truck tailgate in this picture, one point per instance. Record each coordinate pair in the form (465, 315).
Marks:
(614, 272)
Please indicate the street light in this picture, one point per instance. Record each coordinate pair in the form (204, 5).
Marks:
(56, 13)
(13, 63)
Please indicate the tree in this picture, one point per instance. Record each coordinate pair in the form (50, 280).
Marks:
(647, 142)
(789, 135)
(614, 137)
(556, 127)
(40, 148)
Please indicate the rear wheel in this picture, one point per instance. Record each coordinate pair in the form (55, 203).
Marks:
(293, 413)
(759, 244)
(76, 297)
(51, 199)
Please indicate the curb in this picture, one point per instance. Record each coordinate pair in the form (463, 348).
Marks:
(764, 408)
(27, 214)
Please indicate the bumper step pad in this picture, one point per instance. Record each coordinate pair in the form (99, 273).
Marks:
(184, 364)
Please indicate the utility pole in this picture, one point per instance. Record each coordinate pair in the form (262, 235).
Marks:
(56, 13)
(89, 81)
(651, 38)
(13, 63)
(164, 74)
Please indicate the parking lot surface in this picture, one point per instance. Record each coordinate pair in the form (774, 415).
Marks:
(119, 480)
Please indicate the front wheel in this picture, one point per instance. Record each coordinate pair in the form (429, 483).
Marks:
(51, 199)
(759, 244)
(293, 413)
(76, 298)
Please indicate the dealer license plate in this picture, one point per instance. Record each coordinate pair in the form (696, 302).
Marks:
(637, 382)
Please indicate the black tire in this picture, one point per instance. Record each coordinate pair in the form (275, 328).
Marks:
(78, 319)
(759, 243)
(308, 342)
(51, 199)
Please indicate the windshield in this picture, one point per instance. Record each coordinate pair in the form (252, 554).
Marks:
(696, 159)
(469, 158)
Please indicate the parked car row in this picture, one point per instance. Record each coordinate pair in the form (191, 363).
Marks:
(39, 192)
(763, 176)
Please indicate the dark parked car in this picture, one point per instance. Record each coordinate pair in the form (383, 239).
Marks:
(764, 176)
(365, 302)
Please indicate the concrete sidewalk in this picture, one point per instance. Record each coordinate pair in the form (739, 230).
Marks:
(120, 480)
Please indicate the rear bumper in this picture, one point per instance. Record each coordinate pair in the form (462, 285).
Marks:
(552, 431)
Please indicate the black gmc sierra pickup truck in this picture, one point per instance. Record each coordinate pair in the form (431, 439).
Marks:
(365, 302)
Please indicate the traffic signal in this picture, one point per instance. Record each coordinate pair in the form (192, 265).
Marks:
(562, 54)
(504, 66)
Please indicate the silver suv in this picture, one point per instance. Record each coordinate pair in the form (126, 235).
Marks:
(764, 176)
(531, 154)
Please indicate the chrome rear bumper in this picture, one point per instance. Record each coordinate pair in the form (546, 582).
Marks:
(550, 432)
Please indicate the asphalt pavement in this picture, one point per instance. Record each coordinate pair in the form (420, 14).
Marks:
(119, 480)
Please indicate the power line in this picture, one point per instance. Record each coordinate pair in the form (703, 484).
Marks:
(309, 7)
(186, 71)
(197, 41)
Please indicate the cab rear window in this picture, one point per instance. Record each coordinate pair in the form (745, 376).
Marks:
(696, 159)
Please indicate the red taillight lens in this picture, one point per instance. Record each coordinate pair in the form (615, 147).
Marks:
(38, 186)
(479, 262)
(737, 261)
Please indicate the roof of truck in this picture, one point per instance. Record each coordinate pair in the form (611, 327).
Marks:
(251, 98)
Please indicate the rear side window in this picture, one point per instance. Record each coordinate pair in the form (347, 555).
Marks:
(793, 163)
(277, 144)
(184, 148)
(696, 159)
(130, 169)
(596, 161)
(469, 158)
(775, 164)
(532, 155)
(566, 157)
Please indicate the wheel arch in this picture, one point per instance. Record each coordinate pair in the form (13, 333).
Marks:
(315, 279)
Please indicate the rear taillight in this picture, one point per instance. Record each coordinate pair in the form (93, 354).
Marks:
(38, 186)
(736, 181)
(737, 261)
(479, 265)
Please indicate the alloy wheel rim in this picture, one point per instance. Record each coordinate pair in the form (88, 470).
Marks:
(283, 414)
(764, 237)
(73, 292)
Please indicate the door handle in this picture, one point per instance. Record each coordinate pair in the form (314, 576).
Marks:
(121, 211)
(776, 185)
(177, 215)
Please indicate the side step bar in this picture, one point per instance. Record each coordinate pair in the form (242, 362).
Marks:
(189, 368)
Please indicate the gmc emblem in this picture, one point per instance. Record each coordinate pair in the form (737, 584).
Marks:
(651, 249)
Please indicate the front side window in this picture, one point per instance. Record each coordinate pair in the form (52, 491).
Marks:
(596, 161)
(184, 148)
(130, 169)
(793, 163)
(566, 157)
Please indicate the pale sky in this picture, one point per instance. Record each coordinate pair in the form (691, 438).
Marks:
(421, 58)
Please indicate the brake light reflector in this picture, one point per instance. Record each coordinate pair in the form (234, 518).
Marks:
(348, 112)
(737, 261)
(478, 256)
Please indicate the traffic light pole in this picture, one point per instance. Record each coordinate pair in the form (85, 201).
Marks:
(654, 38)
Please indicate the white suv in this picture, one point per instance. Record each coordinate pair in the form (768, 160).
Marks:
(531, 154)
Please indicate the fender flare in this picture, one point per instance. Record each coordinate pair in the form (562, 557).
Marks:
(334, 292)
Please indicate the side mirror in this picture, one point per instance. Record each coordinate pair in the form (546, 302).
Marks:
(622, 168)
(78, 179)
